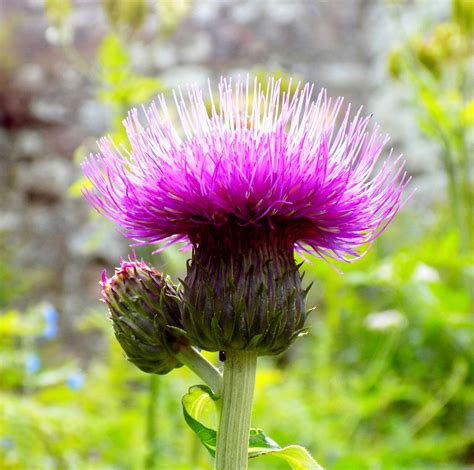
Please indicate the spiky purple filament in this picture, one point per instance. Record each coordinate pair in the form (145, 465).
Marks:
(256, 159)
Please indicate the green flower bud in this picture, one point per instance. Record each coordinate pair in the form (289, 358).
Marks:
(143, 305)
(243, 292)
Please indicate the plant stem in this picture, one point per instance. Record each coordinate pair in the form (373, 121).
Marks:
(237, 396)
(193, 359)
(151, 419)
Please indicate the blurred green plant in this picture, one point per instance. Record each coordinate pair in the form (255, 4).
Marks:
(58, 415)
(384, 380)
(435, 66)
(58, 11)
(125, 15)
(171, 13)
(391, 364)
(117, 84)
(120, 88)
(13, 283)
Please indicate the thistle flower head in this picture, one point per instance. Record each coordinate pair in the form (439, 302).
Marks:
(143, 304)
(245, 181)
(295, 164)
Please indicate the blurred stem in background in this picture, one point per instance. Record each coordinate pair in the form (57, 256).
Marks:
(435, 66)
(152, 457)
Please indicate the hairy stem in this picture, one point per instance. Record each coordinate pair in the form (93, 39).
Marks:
(237, 397)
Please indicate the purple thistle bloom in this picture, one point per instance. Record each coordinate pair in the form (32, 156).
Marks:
(256, 159)
(245, 183)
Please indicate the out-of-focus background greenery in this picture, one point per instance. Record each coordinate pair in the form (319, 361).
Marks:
(385, 378)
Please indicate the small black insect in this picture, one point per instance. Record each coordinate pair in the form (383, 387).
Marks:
(222, 356)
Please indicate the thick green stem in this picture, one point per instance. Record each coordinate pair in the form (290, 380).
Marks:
(237, 396)
(193, 359)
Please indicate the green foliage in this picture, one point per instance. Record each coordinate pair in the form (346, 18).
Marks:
(48, 419)
(57, 10)
(200, 413)
(386, 372)
(13, 282)
(125, 14)
(435, 68)
(385, 378)
(121, 88)
(463, 14)
(171, 14)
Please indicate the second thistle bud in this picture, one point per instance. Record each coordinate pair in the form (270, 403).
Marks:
(143, 304)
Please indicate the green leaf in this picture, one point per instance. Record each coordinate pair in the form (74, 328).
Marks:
(296, 456)
(199, 405)
(113, 60)
(121, 87)
(195, 408)
(260, 444)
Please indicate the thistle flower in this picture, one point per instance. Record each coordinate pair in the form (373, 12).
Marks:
(143, 304)
(259, 175)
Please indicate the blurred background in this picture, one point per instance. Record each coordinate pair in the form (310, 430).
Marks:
(385, 378)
